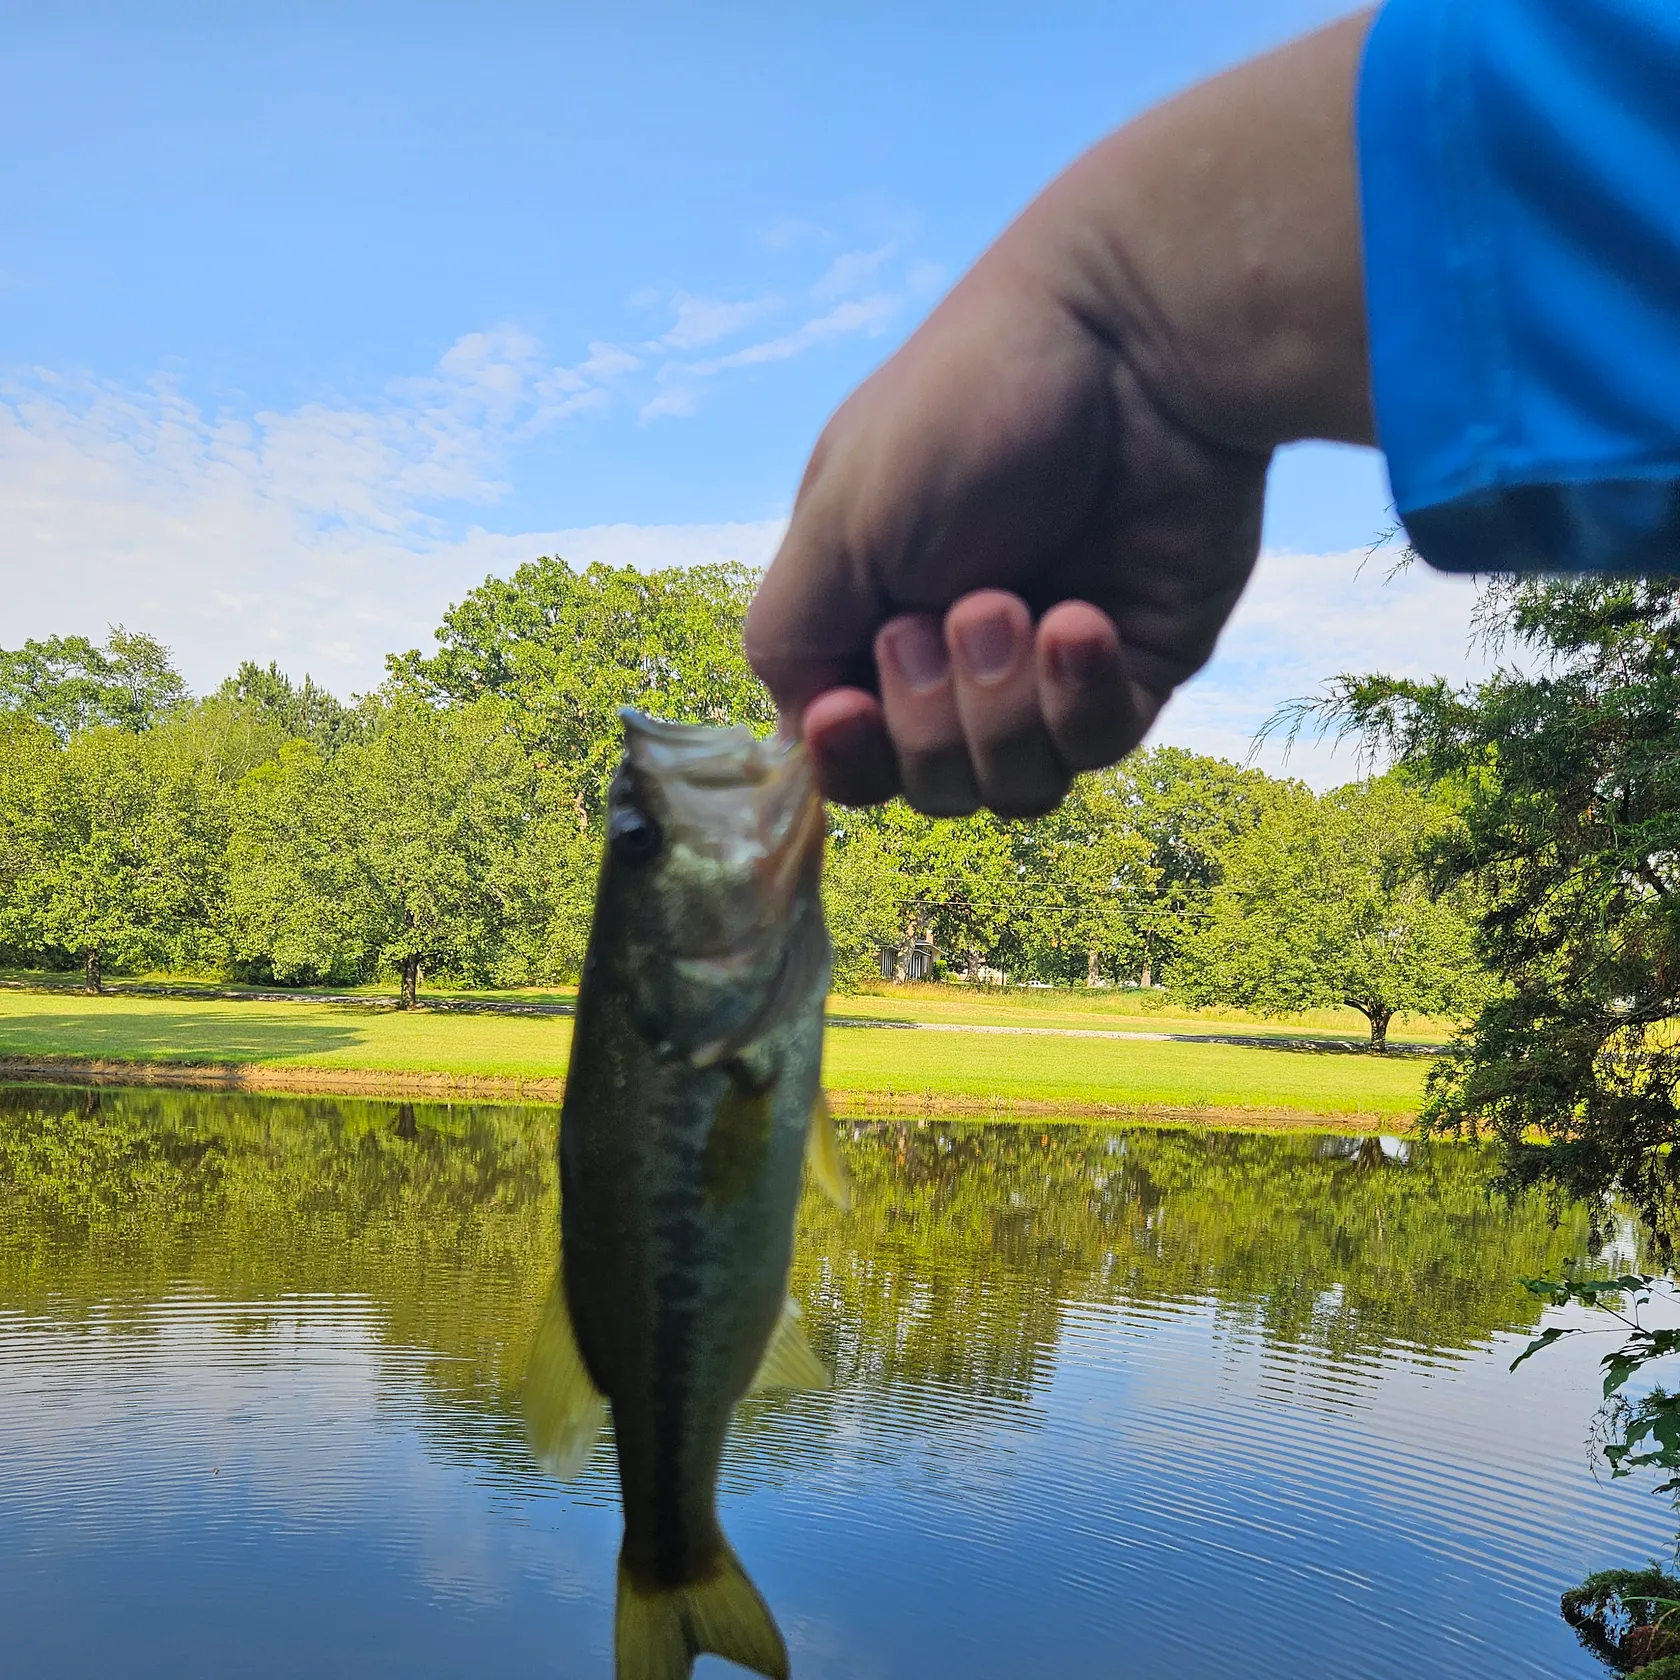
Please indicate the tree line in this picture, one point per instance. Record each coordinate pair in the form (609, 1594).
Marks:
(448, 825)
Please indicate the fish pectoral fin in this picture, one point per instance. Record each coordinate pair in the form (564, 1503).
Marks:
(788, 1361)
(822, 1156)
(661, 1630)
(564, 1411)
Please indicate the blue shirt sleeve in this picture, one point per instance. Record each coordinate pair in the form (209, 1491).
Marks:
(1520, 181)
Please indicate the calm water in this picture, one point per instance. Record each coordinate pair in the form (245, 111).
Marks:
(1109, 1403)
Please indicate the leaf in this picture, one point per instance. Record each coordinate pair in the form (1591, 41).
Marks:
(1543, 1340)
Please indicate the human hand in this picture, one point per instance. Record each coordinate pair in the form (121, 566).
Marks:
(1025, 530)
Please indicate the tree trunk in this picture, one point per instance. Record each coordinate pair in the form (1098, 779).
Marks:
(93, 980)
(1379, 1019)
(410, 980)
(1093, 969)
(1145, 980)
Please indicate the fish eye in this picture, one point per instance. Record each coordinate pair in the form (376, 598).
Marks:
(633, 835)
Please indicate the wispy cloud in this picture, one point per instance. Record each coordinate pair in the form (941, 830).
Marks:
(327, 534)
(858, 315)
(310, 535)
(701, 321)
(851, 272)
(859, 293)
(675, 402)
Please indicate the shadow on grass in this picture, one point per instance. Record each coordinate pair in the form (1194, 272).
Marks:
(1321, 1045)
(245, 1036)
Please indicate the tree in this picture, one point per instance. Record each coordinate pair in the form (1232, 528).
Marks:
(566, 649)
(863, 890)
(1188, 809)
(959, 882)
(28, 754)
(1323, 903)
(116, 852)
(408, 850)
(1088, 880)
(305, 711)
(1568, 777)
(69, 684)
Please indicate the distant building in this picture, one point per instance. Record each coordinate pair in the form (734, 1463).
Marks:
(913, 960)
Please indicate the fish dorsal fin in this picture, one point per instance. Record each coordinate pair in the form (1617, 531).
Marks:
(788, 1361)
(564, 1411)
(822, 1156)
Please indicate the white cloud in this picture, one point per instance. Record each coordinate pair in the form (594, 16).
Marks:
(1306, 617)
(866, 315)
(329, 536)
(321, 537)
(859, 294)
(700, 321)
(850, 272)
(677, 402)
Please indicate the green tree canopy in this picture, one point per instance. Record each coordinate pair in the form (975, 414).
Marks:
(566, 649)
(421, 845)
(1088, 878)
(116, 842)
(1568, 774)
(68, 684)
(1188, 809)
(1323, 903)
(304, 711)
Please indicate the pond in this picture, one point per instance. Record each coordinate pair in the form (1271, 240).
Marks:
(1108, 1402)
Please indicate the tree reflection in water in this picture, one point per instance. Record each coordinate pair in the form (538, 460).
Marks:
(966, 1246)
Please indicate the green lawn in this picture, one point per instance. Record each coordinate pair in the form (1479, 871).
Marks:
(327, 1035)
(1115, 1011)
(954, 1066)
(1178, 1075)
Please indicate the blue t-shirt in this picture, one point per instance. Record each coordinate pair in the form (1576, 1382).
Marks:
(1520, 178)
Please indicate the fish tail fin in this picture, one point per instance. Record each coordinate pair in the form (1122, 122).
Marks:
(661, 1630)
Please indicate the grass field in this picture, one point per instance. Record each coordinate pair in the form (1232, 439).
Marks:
(981, 1069)
(1116, 1011)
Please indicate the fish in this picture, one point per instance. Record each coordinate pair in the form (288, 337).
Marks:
(693, 1104)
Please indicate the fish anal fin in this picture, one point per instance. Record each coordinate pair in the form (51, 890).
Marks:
(661, 1630)
(822, 1155)
(788, 1361)
(564, 1411)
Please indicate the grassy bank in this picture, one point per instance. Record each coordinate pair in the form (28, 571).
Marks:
(372, 1049)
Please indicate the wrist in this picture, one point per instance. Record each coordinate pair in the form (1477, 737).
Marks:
(1215, 244)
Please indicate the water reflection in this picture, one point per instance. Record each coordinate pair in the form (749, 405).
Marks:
(1108, 1402)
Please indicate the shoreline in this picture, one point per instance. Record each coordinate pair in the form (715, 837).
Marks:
(849, 1105)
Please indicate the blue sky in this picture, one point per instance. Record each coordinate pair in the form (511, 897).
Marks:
(312, 315)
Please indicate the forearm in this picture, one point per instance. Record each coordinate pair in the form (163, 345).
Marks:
(1216, 240)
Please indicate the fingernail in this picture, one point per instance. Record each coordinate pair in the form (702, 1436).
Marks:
(917, 652)
(1077, 663)
(988, 646)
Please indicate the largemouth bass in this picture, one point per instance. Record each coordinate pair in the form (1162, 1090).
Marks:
(692, 1101)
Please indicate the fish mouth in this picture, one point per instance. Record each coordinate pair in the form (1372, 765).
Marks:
(730, 795)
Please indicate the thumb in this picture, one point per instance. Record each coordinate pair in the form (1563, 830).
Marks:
(814, 617)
